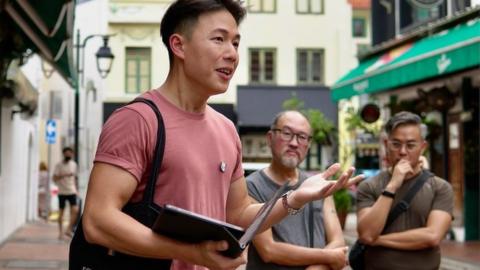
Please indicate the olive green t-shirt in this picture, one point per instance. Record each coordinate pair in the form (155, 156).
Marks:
(435, 194)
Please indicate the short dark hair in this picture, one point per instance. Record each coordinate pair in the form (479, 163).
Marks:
(183, 14)
(67, 148)
(405, 118)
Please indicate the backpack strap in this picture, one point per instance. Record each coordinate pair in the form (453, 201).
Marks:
(404, 204)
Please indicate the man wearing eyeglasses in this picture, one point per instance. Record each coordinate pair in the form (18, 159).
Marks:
(309, 238)
(412, 240)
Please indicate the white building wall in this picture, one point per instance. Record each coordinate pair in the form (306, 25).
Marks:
(365, 14)
(18, 153)
(137, 24)
(139, 35)
(19, 171)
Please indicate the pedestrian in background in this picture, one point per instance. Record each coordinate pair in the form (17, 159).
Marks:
(411, 241)
(201, 169)
(43, 192)
(65, 177)
(309, 238)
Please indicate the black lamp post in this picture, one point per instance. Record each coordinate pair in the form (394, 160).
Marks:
(104, 64)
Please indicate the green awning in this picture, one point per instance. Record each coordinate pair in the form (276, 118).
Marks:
(452, 50)
(47, 28)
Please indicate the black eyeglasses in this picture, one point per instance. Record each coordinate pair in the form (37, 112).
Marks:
(288, 135)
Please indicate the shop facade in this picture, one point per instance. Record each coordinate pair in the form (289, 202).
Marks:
(434, 72)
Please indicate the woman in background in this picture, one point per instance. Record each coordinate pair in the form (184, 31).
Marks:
(43, 192)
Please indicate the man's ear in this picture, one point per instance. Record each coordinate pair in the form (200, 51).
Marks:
(176, 45)
(385, 143)
(269, 138)
(424, 146)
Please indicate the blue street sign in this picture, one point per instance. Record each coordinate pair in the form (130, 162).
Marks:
(51, 131)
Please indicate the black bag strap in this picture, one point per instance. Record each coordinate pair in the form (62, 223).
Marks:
(149, 193)
(310, 222)
(404, 204)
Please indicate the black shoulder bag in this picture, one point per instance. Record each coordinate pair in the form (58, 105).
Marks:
(87, 256)
(356, 256)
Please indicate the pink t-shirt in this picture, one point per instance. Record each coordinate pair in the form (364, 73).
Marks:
(196, 146)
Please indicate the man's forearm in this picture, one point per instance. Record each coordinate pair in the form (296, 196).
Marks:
(409, 240)
(335, 244)
(118, 236)
(333, 229)
(372, 220)
(250, 212)
(292, 255)
(318, 267)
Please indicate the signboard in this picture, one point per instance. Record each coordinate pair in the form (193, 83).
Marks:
(51, 131)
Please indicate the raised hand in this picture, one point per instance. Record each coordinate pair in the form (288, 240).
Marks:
(318, 187)
(400, 172)
(402, 168)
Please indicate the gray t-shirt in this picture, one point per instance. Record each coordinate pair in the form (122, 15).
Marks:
(293, 229)
(435, 194)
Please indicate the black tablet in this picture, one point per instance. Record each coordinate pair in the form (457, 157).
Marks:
(184, 225)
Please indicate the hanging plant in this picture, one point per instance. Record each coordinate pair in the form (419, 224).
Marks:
(323, 130)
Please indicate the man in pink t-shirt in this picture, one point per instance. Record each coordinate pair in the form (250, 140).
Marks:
(201, 170)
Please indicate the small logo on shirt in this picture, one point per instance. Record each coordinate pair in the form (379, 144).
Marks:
(223, 166)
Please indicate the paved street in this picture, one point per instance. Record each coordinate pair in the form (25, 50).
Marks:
(35, 247)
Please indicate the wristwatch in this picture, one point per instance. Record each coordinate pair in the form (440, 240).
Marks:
(288, 207)
(387, 193)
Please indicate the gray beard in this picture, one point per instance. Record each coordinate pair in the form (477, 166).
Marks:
(289, 162)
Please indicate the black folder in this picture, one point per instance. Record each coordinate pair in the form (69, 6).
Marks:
(187, 226)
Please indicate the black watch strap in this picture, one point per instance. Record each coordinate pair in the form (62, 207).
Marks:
(387, 193)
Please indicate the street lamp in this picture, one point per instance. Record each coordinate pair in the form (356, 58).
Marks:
(104, 58)
(104, 64)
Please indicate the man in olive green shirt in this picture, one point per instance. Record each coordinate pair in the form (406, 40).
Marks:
(412, 240)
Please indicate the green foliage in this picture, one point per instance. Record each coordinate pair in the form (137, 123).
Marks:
(322, 128)
(294, 103)
(343, 200)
